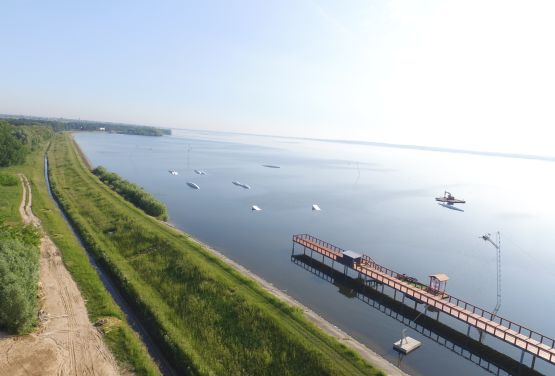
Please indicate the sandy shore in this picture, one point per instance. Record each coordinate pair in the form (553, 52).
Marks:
(367, 354)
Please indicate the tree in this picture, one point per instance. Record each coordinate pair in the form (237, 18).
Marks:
(13, 148)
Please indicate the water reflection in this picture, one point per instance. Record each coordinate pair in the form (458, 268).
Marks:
(424, 323)
(450, 206)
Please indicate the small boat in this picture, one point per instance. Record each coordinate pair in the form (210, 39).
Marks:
(270, 166)
(193, 185)
(450, 199)
(255, 208)
(239, 184)
(200, 172)
(316, 207)
(173, 172)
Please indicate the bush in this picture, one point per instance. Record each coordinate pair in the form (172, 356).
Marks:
(132, 193)
(19, 274)
(8, 180)
(13, 145)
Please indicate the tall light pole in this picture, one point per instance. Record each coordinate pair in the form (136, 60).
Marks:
(497, 245)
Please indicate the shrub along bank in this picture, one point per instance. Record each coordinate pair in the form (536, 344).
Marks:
(132, 193)
(210, 318)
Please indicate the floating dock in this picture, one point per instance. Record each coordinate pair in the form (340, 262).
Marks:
(407, 345)
(435, 297)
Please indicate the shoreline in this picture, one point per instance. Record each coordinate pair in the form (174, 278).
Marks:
(342, 337)
(327, 327)
(83, 156)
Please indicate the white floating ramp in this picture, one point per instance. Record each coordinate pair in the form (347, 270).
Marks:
(407, 345)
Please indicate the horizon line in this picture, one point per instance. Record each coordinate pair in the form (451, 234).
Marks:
(438, 149)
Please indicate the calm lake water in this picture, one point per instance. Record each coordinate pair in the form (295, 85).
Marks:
(375, 200)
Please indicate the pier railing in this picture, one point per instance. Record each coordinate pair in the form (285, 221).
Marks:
(316, 241)
(507, 330)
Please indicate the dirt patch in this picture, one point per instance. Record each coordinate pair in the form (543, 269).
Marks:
(66, 343)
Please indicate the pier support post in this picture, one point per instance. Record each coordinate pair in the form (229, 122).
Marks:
(533, 361)
(468, 331)
(394, 294)
(293, 249)
(437, 316)
(522, 357)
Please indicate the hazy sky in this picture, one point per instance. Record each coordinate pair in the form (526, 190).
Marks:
(469, 74)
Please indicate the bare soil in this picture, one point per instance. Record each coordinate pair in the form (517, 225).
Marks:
(66, 342)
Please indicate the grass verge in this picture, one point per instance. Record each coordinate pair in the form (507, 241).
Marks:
(211, 319)
(124, 343)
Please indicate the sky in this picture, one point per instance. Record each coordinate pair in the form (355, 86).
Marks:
(464, 74)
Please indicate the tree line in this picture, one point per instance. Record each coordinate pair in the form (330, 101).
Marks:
(132, 193)
(91, 126)
(17, 142)
(13, 145)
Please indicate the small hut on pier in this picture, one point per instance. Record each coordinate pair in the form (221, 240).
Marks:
(438, 284)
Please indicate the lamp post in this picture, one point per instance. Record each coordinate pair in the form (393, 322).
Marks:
(497, 245)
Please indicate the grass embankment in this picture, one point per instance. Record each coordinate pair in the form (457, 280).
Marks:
(120, 338)
(210, 318)
(10, 197)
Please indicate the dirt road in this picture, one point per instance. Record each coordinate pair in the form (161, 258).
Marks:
(66, 342)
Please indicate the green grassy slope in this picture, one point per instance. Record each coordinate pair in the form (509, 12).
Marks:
(121, 339)
(211, 318)
(10, 197)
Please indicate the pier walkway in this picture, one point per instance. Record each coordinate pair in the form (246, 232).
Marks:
(535, 343)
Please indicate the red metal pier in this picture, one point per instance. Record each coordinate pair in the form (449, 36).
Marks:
(434, 295)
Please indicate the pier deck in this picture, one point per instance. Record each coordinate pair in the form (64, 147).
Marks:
(517, 335)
